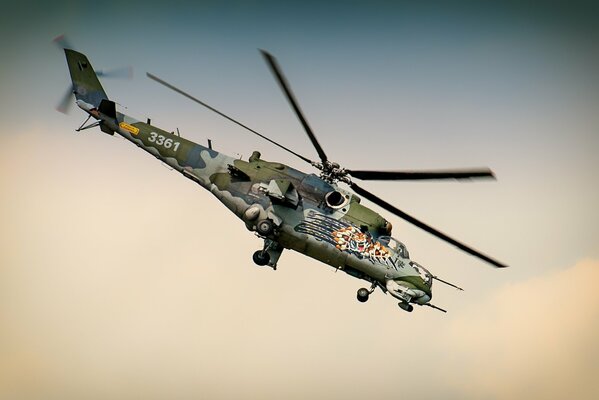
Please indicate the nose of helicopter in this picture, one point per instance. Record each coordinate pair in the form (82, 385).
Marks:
(423, 299)
(426, 276)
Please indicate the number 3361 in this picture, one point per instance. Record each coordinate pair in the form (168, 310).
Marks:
(162, 141)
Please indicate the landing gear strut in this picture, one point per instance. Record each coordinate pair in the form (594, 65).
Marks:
(363, 293)
(269, 255)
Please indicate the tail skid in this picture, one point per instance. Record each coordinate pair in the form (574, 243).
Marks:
(106, 111)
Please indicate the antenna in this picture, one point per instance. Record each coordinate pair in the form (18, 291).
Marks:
(447, 283)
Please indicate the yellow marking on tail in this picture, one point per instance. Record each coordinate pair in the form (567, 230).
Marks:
(129, 128)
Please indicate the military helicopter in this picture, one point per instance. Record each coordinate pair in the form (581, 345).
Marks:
(287, 208)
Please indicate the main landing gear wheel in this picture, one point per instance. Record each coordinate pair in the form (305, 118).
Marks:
(265, 227)
(261, 258)
(363, 295)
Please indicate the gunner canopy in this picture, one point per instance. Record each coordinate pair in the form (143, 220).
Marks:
(395, 245)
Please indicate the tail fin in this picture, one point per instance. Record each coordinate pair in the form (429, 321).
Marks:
(86, 85)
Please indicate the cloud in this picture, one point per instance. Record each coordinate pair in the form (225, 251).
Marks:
(534, 339)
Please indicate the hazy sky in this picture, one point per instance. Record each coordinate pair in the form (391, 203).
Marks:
(101, 297)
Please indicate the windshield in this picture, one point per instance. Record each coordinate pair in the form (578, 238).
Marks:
(424, 274)
(395, 245)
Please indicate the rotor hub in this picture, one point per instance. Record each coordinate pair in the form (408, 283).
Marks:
(332, 172)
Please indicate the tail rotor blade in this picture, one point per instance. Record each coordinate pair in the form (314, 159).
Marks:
(62, 42)
(66, 101)
(119, 73)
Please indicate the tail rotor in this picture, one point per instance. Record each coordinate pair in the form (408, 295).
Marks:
(66, 100)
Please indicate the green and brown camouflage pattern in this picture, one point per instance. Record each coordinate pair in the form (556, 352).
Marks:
(347, 236)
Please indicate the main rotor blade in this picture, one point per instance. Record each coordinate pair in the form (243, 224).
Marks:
(382, 203)
(181, 92)
(420, 175)
(276, 70)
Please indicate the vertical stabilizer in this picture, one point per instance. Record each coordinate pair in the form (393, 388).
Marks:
(86, 85)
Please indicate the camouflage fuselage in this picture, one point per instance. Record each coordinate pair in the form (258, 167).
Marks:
(309, 215)
(343, 236)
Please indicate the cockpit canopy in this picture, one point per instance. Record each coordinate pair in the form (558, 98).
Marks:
(395, 245)
(426, 276)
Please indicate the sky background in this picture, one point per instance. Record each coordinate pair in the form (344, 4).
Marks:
(120, 279)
